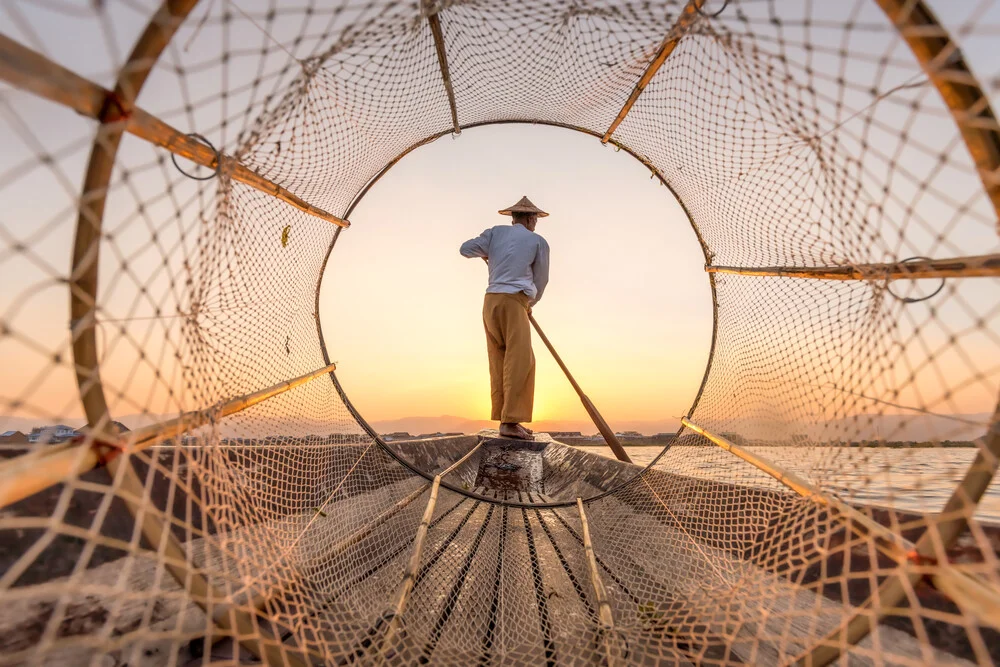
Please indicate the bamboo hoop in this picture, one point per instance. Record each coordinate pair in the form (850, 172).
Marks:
(945, 66)
(942, 61)
(975, 597)
(31, 473)
(690, 14)
(434, 20)
(958, 267)
(612, 653)
(30, 71)
(113, 107)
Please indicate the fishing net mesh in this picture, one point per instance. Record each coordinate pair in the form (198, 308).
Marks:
(794, 134)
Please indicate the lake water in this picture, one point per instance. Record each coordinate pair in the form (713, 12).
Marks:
(915, 479)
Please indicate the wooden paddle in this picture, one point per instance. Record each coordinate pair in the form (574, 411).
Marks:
(588, 405)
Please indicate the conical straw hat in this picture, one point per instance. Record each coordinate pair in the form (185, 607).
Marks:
(523, 206)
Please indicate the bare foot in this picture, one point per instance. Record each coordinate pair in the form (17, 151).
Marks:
(516, 431)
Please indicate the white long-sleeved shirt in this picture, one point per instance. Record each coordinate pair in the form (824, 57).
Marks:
(518, 258)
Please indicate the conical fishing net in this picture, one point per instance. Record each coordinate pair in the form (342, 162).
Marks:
(179, 175)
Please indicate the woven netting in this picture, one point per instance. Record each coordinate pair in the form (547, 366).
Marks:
(246, 519)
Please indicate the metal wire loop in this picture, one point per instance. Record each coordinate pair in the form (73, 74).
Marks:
(907, 299)
(715, 14)
(218, 159)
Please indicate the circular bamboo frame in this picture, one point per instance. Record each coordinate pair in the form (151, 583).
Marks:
(429, 476)
(911, 18)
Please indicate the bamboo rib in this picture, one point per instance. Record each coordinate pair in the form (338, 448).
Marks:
(604, 615)
(30, 474)
(28, 70)
(688, 16)
(974, 596)
(348, 542)
(958, 267)
(942, 61)
(435, 23)
(412, 567)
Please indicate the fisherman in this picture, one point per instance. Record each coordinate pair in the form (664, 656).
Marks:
(519, 270)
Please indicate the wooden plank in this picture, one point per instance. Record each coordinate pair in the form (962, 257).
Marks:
(688, 16)
(957, 267)
(450, 597)
(30, 71)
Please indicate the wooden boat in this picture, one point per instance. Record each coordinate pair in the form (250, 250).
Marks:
(507, 573)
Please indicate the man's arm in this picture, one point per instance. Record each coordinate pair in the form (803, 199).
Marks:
(540, 270)
(477, 247)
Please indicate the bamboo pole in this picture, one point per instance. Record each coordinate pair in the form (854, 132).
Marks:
(957, 267)
(942, 61)
(435, 23)
(28, 474)
(30, 71)
(974, 596)
(687, 17)
(588, 405)
(604, 615)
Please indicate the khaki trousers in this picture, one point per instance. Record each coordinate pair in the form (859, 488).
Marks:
(512, 363)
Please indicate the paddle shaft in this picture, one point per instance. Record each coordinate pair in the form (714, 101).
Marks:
(588, 405)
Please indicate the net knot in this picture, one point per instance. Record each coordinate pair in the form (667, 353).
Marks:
(114, 108)
(915, 557)
(105, 449)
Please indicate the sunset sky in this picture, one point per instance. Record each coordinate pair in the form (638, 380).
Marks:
(628, 306)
